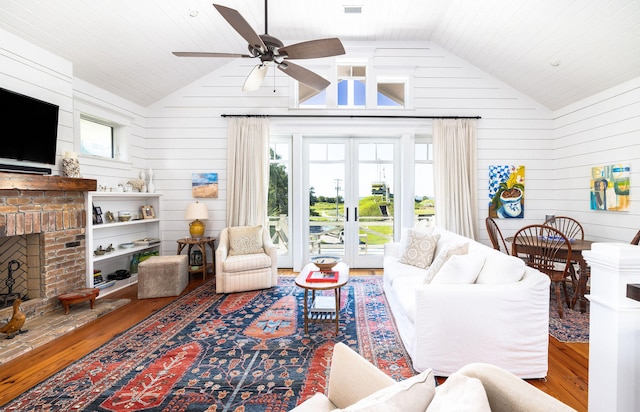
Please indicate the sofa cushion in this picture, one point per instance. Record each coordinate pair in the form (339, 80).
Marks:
(460, 393)
(460, 269)
(419, 248)
(500, 268)
(409, 395)
(444, 255)
(245, 240)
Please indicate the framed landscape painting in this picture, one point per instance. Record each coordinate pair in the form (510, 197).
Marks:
(506, 191)
(204, 185)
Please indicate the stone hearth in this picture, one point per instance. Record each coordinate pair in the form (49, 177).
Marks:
(49, 212)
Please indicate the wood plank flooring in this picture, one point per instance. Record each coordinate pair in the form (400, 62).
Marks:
(568, 362)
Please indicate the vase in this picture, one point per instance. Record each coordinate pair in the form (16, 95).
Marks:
(151, 188)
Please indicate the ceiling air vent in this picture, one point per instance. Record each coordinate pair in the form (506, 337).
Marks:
(352, 9)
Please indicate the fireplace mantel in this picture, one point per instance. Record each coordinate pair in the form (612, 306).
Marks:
(21, 181)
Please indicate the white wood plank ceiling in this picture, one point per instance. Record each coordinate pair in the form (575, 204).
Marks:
(124, 46)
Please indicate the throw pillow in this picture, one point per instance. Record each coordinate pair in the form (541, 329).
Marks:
(419, 249)
(444, 255)
(500, 268)
(460, 269)
(460, 393)
(409, 395)
(245, 240)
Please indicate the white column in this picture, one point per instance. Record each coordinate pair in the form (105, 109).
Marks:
(614, 328)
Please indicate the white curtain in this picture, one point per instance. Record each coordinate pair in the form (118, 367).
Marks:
(247, 171)
(454, 159)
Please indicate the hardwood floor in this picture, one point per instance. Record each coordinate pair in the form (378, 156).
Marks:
(568, 362)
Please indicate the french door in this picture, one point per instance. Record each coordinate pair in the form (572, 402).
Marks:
(349, 182)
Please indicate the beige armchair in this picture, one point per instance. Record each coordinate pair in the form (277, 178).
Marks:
(246, 259)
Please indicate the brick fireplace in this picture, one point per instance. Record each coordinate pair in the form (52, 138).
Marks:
(42, 232)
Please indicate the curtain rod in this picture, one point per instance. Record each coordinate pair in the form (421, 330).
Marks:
(357, 116)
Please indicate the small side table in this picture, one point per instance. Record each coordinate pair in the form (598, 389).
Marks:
(201, 244)
(325, 314)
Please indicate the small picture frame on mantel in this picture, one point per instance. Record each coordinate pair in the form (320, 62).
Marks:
(148, 212)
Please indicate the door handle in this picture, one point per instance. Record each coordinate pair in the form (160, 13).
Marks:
(346, 210)
(356, 214)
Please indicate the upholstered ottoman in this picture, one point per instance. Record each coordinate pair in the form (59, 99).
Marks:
(161, 276)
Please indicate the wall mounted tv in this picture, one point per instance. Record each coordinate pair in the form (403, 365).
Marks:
(35, 128)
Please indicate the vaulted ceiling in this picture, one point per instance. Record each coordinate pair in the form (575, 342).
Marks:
(124, 46)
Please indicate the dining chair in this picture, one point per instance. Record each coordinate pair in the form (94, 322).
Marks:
(495, 235)
(636, 239)
(570, 227)
(548, 250)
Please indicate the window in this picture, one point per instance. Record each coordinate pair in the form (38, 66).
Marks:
(424, 191)
(391, 94)
(279, 184)
(352, 82)
(309, 97)
(96, 138)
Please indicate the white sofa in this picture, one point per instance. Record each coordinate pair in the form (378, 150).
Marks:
(502, 318)
(357, 385)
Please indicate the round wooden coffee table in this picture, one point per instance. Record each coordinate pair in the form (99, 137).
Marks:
(322, 308)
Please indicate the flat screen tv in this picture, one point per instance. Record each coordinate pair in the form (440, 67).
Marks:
(35, 128)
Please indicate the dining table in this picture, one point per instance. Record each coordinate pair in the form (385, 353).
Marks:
(577, 247)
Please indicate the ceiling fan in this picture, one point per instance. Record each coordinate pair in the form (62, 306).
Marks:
(271, 50)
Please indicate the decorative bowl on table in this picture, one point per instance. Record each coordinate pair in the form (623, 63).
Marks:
(325, 262)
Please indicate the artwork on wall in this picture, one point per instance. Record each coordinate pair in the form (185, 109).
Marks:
(204, 185)
(506, 191)
(610, 187)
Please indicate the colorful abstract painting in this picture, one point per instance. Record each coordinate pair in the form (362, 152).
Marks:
(610, 187)
(204, 184)
(506, 191)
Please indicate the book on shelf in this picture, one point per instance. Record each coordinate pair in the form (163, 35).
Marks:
(323, 276)
(324, 304)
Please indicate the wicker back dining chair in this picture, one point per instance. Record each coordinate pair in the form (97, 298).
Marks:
(495, 235)
(636, 239)
(570, 227)
(548, 250)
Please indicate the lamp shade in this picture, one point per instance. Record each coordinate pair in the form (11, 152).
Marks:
(196, 210)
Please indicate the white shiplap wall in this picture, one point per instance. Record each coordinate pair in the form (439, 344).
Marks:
(186, 133)
(601, 130)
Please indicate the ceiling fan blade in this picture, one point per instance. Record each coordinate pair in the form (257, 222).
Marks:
(313, 49)
(255, 78)
(304, 75)
(240, 25)
(205, 54)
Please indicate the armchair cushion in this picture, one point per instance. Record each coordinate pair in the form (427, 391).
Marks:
(411, 394)
(241, 263)
(245, 240)
(460, 393)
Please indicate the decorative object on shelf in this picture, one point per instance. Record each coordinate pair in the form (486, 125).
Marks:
(196, 211)
(151, 188)
(127, 245)
(324, 262)
(110, 248)
(99, 251)
(124, 215)
(195, 258)
(147, 241)
(204, 185)
(143, 177)
(109, 216)
(148, 212)
(70, 165)
(133, 266)
(136, 184)
(97, 215)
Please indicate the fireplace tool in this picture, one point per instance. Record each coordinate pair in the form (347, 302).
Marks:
(13, 266)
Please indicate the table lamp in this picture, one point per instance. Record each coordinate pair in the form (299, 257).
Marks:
(196, 211)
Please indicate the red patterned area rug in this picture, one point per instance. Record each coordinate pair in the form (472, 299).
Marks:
(238, 352)
(574, 325)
